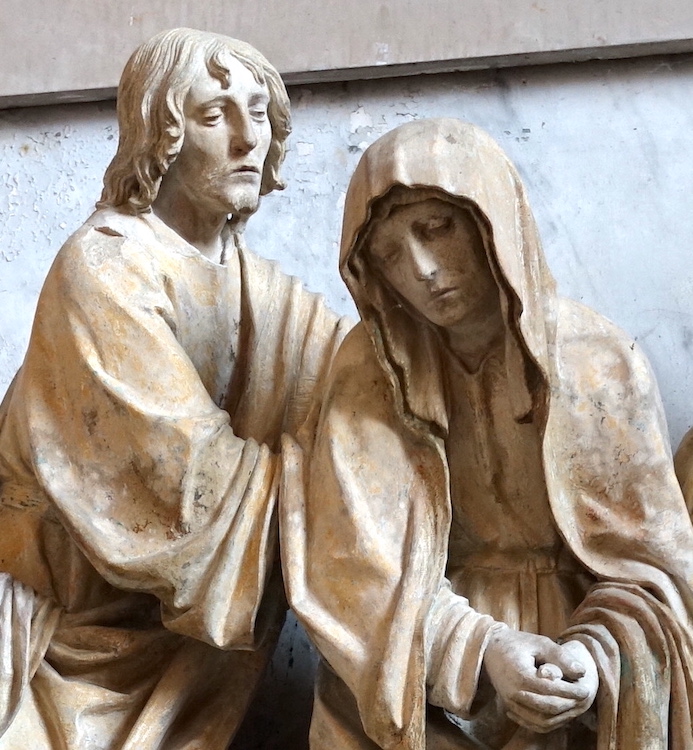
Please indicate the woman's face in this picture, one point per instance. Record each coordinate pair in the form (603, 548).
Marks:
(432, 254)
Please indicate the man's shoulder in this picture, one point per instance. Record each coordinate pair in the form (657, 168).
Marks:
(104, 251)
(106, 235)
(269, 286)
(265, 271)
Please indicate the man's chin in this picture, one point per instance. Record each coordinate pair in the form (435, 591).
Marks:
(243, 203)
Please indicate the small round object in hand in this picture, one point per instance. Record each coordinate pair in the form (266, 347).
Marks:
(550, 672)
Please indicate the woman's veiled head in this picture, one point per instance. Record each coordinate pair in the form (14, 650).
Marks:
(429, 250)
(460, 164)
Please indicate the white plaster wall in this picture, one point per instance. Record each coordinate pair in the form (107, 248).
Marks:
(606, 150)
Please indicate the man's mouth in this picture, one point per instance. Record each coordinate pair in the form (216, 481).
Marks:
(246, 169)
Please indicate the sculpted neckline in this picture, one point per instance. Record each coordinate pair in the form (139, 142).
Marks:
(181, 245)
(148, 228)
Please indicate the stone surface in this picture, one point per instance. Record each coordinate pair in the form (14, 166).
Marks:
(345, 41)
(487, 520)
(140, 587)
(599, 147)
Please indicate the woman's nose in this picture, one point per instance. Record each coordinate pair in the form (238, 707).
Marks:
(423, 261)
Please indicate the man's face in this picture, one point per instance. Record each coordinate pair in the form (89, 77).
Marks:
(431, 253)
(226, 141)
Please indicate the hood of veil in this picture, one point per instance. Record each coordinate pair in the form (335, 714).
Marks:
(465, 166)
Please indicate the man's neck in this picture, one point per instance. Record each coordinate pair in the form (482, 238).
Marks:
(202, 229)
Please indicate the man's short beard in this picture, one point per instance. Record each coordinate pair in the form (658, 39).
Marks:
(244, 204)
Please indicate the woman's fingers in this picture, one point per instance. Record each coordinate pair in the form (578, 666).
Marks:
(549, 672)
(532, 683)
(535, 724)
(539, 722)
(546, 705)
(558, 655)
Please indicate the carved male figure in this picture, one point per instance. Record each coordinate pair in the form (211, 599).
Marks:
(491, 524)
(138, 441)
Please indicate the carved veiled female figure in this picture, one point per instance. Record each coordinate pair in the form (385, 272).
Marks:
(490, 523)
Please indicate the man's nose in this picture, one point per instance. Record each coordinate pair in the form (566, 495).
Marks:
(244, 138)
(424, 262)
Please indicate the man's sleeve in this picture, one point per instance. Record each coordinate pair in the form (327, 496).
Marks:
(142, 467)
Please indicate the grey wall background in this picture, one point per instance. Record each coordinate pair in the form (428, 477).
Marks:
(606, 151)
(75, 51)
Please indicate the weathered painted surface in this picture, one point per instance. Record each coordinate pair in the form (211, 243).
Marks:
(605, 150)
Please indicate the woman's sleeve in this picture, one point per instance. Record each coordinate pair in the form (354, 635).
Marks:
(364, 522)
(456, 644)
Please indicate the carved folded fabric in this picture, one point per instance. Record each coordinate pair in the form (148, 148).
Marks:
(534, 487)
(126, 484)
(27, 622)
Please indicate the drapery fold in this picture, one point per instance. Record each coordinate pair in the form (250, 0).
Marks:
(138, 470)
(366, 504)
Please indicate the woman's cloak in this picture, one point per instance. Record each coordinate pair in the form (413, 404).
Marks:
(365, 548)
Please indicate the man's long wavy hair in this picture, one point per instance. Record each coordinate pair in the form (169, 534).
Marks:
(151, 96)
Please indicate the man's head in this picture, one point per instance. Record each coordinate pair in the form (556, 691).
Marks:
(152, 95)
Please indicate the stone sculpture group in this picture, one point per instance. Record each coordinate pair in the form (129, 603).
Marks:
(468, 498)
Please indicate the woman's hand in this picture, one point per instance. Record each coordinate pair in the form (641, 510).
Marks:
(542, 684)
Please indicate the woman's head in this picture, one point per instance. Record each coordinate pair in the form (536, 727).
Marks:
(430, 251)
(494, 240)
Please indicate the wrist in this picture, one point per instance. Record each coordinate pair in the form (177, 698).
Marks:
(494, 647)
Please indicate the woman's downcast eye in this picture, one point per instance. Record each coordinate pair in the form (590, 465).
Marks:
(387, 255)
(434, 226)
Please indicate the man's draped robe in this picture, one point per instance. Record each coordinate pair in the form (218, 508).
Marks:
(138, 483)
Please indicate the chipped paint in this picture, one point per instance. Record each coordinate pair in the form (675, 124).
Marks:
(599, 145)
